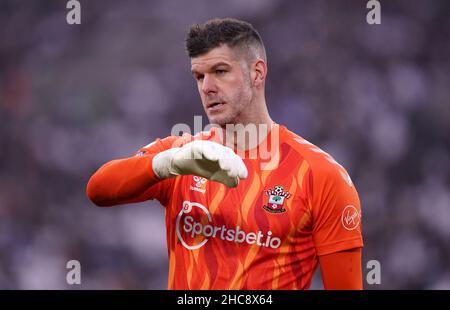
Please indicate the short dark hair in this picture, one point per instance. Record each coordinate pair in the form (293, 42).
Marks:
(202, 38)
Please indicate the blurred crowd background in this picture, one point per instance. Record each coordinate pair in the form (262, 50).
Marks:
(376, 97)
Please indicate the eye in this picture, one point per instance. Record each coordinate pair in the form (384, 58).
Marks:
(220, 71)
(199, 77)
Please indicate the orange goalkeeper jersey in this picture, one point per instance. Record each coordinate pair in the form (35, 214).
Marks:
(297, 203)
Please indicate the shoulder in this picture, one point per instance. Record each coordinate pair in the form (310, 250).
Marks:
(321, 164)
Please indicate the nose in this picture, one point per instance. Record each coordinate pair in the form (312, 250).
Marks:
(208, 85)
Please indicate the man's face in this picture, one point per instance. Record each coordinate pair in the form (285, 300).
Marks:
(223, 82)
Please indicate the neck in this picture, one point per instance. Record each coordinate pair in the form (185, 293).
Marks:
(250, 129)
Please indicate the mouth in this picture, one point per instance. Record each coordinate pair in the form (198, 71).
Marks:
(214, 106)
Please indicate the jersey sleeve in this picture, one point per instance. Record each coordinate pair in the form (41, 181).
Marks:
(336, 210)
(132, 179)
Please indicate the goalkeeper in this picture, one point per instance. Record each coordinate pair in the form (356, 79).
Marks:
(236, 219)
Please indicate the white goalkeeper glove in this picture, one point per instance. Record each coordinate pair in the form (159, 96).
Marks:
(207, 159)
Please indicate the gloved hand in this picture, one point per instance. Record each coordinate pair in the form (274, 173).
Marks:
(207, 159)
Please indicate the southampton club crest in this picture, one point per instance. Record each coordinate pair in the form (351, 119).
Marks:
(277, 195)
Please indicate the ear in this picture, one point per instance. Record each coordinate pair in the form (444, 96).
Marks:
(259, 72)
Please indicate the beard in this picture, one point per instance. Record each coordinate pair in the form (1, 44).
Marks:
(234, 108)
